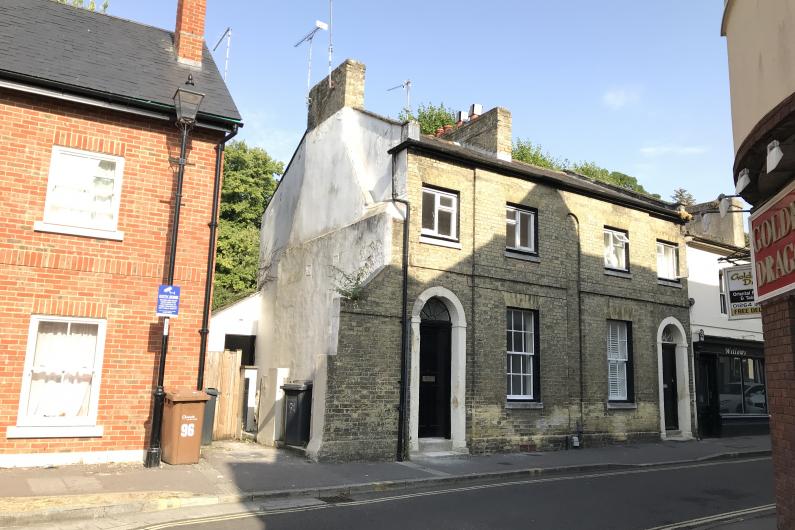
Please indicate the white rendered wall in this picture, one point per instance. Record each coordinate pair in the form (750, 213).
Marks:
(240, 318)
(702, 283)
(331, 212)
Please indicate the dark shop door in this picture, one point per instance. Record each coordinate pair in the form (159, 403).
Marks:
(707, 399)
(434, 416)
(669, 387)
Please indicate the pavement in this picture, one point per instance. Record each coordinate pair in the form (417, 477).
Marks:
(242, 472)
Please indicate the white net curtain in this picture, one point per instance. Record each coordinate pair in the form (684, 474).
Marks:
(62, 370)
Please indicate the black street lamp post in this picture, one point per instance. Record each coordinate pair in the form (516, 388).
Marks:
(187, 104)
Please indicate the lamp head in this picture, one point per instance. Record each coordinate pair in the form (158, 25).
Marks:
(187, 103)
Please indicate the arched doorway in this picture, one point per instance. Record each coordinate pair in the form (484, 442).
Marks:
(438, 316)
(674, 371)
(435, 328)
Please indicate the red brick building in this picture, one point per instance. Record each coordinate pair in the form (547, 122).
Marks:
(88, 150)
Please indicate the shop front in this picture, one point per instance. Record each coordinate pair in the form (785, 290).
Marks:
(731, 393)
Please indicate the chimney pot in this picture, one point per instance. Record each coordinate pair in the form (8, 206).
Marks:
(439, 131)
(189, 31)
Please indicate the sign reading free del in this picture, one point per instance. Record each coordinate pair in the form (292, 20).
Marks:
(773, 245)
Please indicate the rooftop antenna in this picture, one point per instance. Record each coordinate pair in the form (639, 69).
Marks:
(228, 35)
(308, 38)
(406, 85)
(330, 42)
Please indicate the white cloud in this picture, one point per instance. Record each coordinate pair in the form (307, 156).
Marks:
(618, 98)
(674, 150)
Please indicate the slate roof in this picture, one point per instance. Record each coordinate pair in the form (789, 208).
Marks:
(559, 179)
(46, 43)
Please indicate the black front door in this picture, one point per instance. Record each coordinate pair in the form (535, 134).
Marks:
(707, 399)
(434, 416)
(669, 387)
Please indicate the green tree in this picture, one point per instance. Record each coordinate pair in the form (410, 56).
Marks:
(683, 197)
(527, 151)
(92, 5)
(249, 183)
(430, 117)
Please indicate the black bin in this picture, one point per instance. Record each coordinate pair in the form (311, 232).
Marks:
(297, 412)
(209, 416)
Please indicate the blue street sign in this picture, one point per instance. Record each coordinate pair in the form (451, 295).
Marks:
(167, 301)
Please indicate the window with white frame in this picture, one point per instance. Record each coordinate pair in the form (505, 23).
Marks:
(439, 213)
(722, 294)
(520, 229)
(522, 355)
(83, 190)
(667, 261)
(619, 361)
(60, 384)
(616, 249)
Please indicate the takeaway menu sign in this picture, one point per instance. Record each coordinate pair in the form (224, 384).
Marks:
(740, 291)
(773, 245)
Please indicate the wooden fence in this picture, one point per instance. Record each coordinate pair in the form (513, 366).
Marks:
(222, 371)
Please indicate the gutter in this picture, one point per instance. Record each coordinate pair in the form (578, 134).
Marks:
(213, 224)
(107, 100)
(509, 169)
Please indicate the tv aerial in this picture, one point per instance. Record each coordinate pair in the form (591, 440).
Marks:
(228, 35)
(405, 85)
(309, 37)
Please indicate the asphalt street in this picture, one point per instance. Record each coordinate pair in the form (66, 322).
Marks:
(630, 499)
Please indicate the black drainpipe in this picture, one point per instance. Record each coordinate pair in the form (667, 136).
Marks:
(404, 327)
(580, 424)
(213, 224)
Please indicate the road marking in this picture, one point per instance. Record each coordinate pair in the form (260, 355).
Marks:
(634, 471)
(716, 518)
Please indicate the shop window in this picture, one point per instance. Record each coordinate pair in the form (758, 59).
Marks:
(741, 385)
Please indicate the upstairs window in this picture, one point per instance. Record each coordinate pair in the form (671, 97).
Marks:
(619, 361)
(722, 294)
(439, 213)
(667, 261)
(616, 249)
(520, 229)
(83, 190)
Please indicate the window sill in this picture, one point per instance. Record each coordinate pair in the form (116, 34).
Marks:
(440, 242)
(60, 431)
(115, 235)
(522, 256)
(618, 274)
(621, 406)
(524, 405)
(676, 284)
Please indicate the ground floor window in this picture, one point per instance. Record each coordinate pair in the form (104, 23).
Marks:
(741, 385)
(619, 361)
(60, 384)
(522, 355)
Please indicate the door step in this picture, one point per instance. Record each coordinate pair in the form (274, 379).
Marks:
(435, 445)
(676, 436)
(435, 448)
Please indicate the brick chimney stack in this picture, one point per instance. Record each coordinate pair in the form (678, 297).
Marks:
(189, 32)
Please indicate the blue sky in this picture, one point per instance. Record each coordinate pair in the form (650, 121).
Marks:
(637, 87)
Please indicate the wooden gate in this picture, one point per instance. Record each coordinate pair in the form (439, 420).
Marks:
(222, 372)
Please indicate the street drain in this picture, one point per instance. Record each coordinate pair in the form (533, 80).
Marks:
(336, 499)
